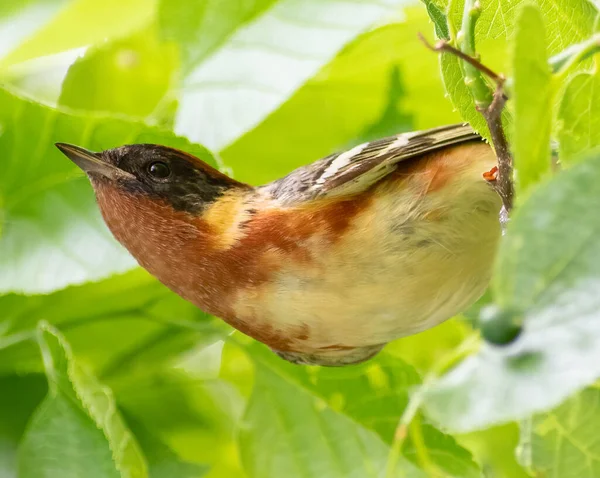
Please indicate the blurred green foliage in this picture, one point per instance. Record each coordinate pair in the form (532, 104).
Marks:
(104, 372)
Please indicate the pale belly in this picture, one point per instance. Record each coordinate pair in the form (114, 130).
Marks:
(407, 265)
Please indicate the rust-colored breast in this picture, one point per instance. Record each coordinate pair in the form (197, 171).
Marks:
(234, 245)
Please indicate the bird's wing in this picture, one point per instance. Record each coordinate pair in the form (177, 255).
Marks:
(353, 171)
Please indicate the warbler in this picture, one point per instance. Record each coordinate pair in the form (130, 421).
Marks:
(326, 265)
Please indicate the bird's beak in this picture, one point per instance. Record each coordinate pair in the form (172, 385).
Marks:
(91, 162)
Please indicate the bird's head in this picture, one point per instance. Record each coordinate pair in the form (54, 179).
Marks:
(151, 172)
(157, 201)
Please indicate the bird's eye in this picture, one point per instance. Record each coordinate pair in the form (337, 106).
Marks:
(159, 170)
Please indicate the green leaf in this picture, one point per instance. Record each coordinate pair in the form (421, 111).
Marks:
(129, 76)
(19, 398)
(425, 349)
(202, 27)
(563, 62)
(260, 64)
(439, 20)
(196, 417)
(452, 68)
(547, 275)
(533, 97)
(66, 25)
(566, 22)
(62, 441)
(289, 432)
(494, 449)
(18, 20)
(46, 36)
(163, 462)
(77, 430)
(564, 442)
(374, 396)
(460, 95)
(579, 116)
(337, 107)
(51, 234)
(145, 313)
(393, 119)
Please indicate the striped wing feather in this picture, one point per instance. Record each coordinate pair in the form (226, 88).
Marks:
(355, 170)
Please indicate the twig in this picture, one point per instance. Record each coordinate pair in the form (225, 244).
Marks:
(402, 428)
(493, 117)
(468, 345)
(489, 104)
(444, 46)
(421, 452)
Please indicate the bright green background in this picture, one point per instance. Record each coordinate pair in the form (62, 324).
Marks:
(105, 373)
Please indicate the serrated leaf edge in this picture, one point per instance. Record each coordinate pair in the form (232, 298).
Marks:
(74, 369)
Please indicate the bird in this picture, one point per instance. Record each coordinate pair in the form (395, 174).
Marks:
(327, 264)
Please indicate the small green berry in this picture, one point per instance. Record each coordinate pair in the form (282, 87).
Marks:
(498, 326)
